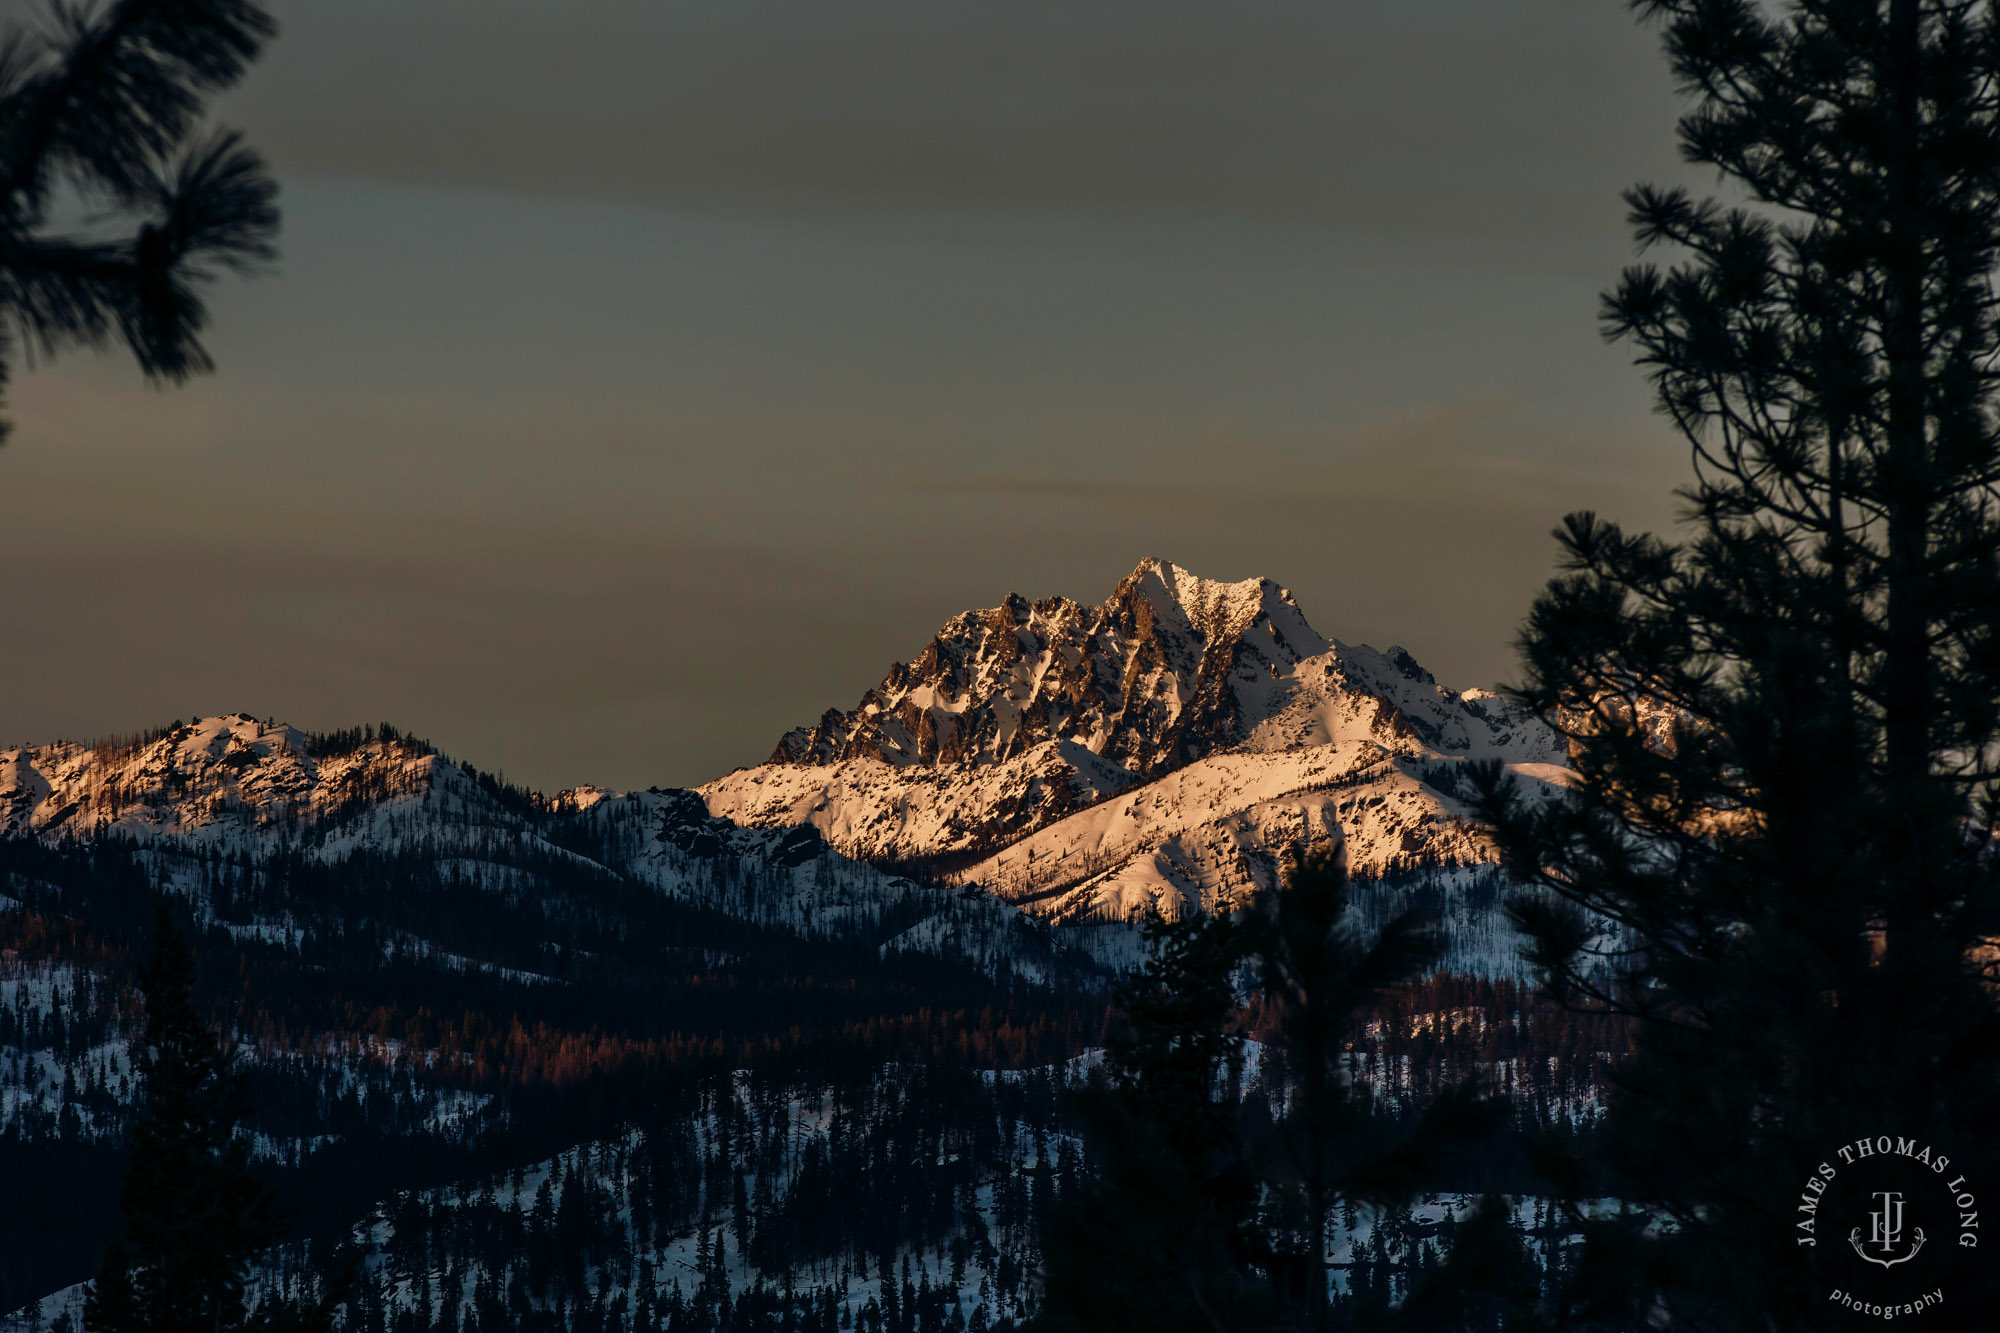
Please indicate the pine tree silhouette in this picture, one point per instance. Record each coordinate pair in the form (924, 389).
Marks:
(1318, 972)
(105, 105)
(1161, 1238)
(194, 1214)
(1784, 725)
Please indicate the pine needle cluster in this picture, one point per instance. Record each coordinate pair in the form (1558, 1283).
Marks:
(101, 118)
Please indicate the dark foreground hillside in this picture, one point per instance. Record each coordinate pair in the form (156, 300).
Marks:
(572, 1102)
(412, 1024)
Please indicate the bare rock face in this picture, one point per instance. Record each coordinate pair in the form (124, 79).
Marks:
(1148, 679)
(1019, 726)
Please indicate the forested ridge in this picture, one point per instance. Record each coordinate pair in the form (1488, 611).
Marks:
(375, 1059)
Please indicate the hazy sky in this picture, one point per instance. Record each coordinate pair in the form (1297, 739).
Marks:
(640, 379)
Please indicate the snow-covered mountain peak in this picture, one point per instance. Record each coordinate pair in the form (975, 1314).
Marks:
(1171, 742)
(586, 797)
(1151, 678)
(1213, 609)
(1167, 670)
(1219, 612)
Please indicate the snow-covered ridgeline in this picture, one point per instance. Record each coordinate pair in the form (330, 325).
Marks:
(245, 791)
(1166, 749)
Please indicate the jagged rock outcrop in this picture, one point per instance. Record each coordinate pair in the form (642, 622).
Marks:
(220, 778)
(1149, 680)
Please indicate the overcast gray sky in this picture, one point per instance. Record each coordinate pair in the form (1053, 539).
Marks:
(640, 379)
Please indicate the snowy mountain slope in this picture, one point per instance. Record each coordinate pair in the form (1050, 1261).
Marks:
(1216, 829)
(647, 1232)
(792, 879)
(1167, 747)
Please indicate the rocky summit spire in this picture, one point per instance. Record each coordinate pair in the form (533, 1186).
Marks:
(1148, 679)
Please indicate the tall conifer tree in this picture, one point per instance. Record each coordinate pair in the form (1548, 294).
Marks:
(194, 1214)
(1318, 972)
(1785, 723)
(1163, 1237)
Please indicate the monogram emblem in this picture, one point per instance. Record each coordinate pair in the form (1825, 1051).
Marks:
(1885, 1233)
